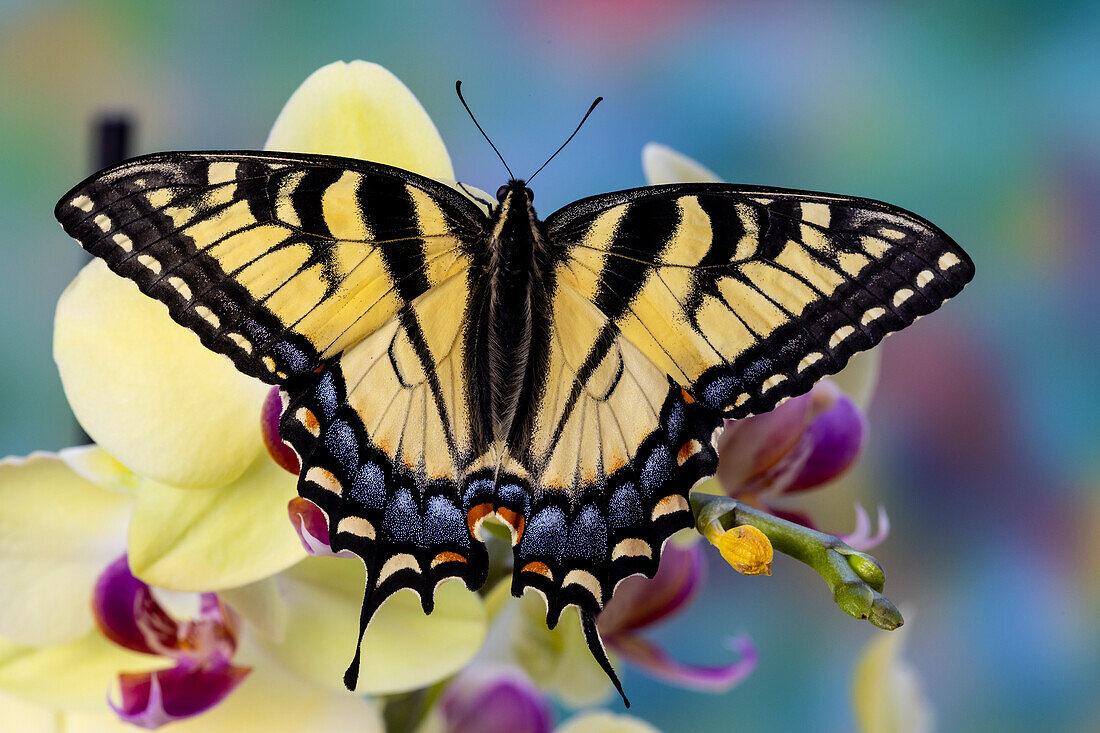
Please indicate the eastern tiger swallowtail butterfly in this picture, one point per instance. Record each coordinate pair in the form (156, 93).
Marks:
(440, 365)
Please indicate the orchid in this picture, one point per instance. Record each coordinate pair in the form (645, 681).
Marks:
(128, 614)
(501, 699)
(640, 603)
(801, 445)
(887, 694)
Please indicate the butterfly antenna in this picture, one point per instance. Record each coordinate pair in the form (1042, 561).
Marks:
(586, 114)
(458, 88)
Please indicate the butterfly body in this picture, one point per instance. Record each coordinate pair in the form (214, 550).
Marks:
(509, 353)
(440, 366)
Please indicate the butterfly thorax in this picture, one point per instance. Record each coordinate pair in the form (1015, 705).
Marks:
(510, 324)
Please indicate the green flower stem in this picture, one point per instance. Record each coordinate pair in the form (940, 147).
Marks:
(855, 578)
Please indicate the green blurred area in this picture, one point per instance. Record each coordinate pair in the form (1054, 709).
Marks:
(983, 117)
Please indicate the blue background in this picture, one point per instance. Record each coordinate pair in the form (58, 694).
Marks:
(983, 117)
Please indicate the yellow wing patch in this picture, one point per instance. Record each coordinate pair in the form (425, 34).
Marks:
(407, 386)
(603, 398)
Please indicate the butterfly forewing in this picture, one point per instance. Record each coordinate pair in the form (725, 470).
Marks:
(279, 261)
(749, 296)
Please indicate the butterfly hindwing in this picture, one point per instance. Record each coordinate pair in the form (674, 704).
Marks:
(746, 297)
(383, 437)
(278, 260)
(615, 448)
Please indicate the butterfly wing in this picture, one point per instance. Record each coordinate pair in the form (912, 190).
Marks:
(746, 297)
(608, 477)
(383, 434)
(279, 261)
(675, 307)
(345, 282)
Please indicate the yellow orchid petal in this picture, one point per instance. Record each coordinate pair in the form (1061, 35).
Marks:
(71, 676)
(557, 660)
(361, 110)
(100, 467)
(27, 717)
(268, 701)
(661, 164)
(262, 606)
(603, 722)
(860, 377)
(145, 388)
(886, 693)
(403, 648)
(57, 532)
(182, 539)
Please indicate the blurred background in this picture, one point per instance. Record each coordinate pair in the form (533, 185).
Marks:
(983, 117)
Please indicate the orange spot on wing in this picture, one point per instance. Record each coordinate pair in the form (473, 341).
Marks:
(687, 450)
(538, 567)
(447, 557)
(476, 514)
(515, 521)
(311, 423)
(687, 396)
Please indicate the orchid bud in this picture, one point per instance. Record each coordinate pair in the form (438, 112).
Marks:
(746, 549)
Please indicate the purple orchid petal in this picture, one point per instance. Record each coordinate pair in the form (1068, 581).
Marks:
(128, 614)
(654, 661)
(861, 538)
(278, 448)
(640, 602)
(792, 515)
(748, 448)
(803, 443)
(151, 699)
(494, 700)
(311, 524)
(835, 436)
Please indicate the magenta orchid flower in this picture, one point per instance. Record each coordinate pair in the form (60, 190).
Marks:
(201, 650)
(495, 698)
(640, 603)
(801, 445)
(492, 699)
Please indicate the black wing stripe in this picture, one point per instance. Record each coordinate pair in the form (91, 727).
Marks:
(407, 268)
(625, 308)
(620, 284)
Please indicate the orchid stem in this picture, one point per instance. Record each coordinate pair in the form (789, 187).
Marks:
(855, 578)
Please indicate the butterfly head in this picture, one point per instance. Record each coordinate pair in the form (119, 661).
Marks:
(518, 187)
(515, 201)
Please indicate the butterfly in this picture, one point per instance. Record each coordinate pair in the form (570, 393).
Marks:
(442, 363)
